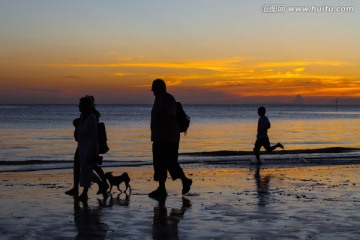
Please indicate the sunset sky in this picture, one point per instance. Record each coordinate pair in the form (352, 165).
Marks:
(208, 51)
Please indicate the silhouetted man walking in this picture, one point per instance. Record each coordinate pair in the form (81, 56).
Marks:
(165, 135)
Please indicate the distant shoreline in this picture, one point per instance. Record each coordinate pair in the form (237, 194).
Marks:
(298, 151)
(222, 153)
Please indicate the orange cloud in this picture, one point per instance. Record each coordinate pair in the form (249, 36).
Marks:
(233, 76)
(229, 66)
(189, 65)
(303, 63)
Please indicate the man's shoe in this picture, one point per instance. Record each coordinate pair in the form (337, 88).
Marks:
(159, 192)
(186, 186)
(72, 192)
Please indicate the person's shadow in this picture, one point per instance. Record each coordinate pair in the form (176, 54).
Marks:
(166, 226)
(262, 187)
(88, 222)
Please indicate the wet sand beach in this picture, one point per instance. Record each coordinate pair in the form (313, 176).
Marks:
(225, 202)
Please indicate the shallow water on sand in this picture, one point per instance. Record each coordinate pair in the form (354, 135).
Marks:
(319, 202)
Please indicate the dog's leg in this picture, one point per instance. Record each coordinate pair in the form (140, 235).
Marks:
(128, 187)
(119, 188)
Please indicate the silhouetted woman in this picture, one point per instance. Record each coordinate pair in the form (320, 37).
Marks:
(88, 144)
(103, 186)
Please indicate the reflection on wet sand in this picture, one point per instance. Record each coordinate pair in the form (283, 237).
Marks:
(262, 185)
(119, 199)
(88, 222)
(164, 226)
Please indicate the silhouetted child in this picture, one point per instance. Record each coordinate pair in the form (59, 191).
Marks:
(262, 139)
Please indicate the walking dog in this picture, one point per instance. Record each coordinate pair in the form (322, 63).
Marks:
(117, 180)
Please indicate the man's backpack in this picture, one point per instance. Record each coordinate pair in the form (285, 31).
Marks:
(103, 147)
(182, 119)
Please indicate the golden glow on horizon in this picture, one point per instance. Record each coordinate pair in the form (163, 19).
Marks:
(227, 65)
(236, 77)
(239, 76)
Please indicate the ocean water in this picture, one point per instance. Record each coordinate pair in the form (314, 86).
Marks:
(38, 134)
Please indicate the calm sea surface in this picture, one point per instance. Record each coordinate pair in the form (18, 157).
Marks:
(45, 132)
